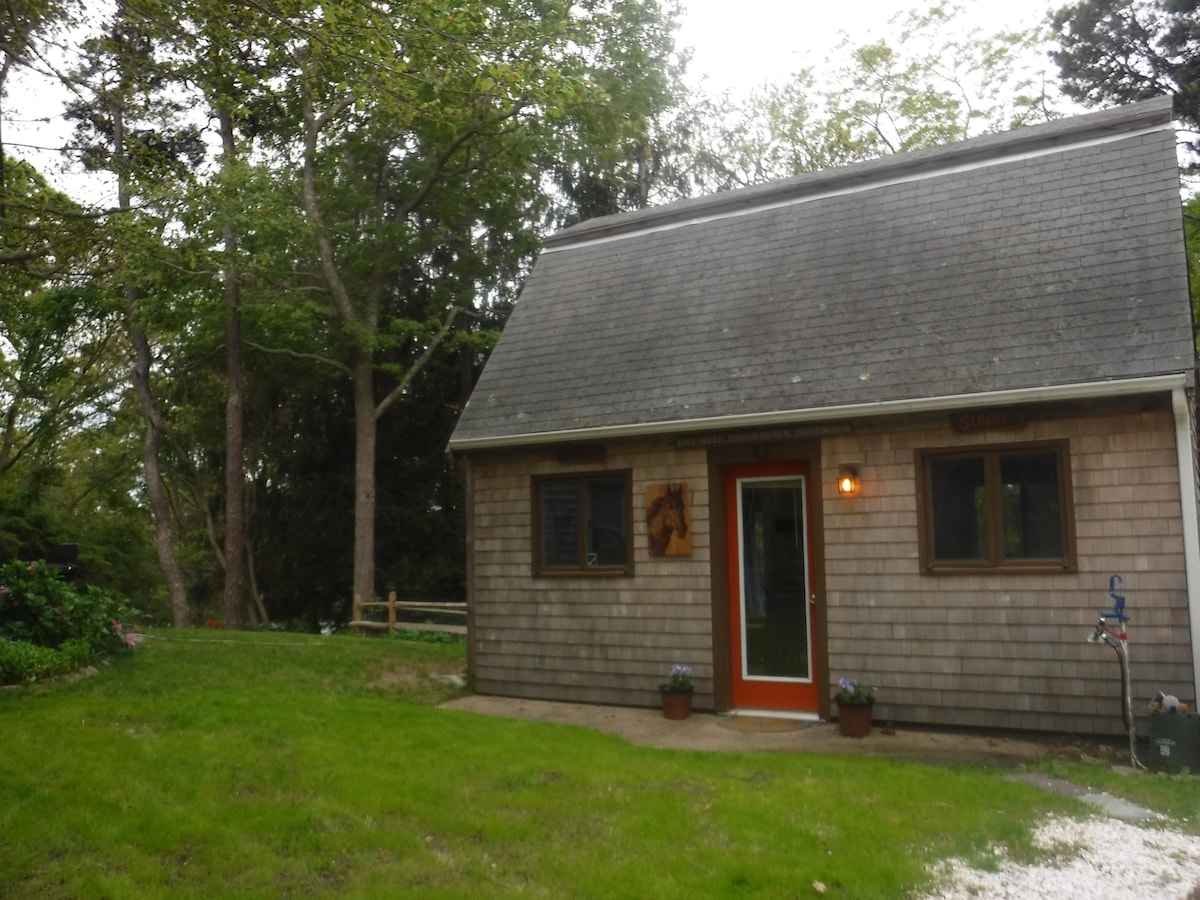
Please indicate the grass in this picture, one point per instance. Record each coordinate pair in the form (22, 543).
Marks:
(1174, 795)
(246, 765)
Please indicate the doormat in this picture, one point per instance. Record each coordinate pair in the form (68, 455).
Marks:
(764, 724)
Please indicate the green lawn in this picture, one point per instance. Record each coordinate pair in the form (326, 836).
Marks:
(211, 764)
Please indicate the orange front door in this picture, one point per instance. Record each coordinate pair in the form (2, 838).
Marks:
(770, 588)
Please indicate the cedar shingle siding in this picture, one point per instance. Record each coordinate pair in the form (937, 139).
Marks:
(1009, 651)
(597, 640)
(843, 317)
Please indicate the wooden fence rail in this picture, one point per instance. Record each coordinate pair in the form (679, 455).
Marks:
(392, 605)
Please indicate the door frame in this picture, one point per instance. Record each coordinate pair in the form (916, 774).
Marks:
(720, 459)
(784, 695)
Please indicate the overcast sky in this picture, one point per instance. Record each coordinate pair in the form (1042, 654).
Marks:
(739, 44)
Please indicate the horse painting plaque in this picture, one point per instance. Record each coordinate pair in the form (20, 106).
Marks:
(669, 519)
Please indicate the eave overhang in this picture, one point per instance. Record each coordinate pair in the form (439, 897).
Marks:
(1048, 393)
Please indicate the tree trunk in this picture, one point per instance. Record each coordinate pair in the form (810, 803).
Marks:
(235, 482)
(255, 593)
(365, 428)
(362, 584)
(235, 519)
(156, 488)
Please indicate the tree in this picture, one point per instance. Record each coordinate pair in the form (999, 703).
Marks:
(23, 26)
(1120, 51)
(422, 132)
(384, 174)
(162, 62)
(65, 466)
(623, 147)
(930, 85)
(1191, 233)
(58, 363)
(127, 130)
(225, 51)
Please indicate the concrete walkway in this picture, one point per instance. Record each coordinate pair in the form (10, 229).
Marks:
(704, 731)
(1114, 807)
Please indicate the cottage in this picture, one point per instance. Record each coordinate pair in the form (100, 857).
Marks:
(898, 421)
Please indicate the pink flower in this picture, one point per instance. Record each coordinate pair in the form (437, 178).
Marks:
(116, 627)
(132, 640)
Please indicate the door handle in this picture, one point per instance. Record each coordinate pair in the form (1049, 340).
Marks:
(812, 598)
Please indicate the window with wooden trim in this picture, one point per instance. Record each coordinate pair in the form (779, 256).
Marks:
(583, 524)
(1000, 507)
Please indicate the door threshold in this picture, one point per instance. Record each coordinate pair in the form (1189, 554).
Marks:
(773, 714)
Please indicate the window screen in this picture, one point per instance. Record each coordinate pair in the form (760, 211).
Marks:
(583, 523)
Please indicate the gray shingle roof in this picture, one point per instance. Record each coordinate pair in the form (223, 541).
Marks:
(1046, 256)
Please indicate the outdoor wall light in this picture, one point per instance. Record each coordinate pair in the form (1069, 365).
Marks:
(848, 481)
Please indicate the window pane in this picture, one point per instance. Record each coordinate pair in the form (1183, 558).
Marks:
(959, 508)
(607, 522)
(1029, 503)
(774, 586)
(560, 523)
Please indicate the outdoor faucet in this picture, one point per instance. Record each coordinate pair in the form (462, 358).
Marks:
(1102, 635)
(1117, 639)
(1118, 610)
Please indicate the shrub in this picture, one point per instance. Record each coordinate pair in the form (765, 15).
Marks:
(48, 626)
(75, 654)
(38, 606)
(22, 662)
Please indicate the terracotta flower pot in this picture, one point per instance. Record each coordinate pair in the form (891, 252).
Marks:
(676, 704)
(855, 720)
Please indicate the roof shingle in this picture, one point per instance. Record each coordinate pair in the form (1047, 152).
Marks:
(993, 264)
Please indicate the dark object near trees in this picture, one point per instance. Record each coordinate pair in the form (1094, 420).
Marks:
(65, 559)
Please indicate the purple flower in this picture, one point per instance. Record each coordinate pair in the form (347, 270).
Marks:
(850, 692)
(680, 677)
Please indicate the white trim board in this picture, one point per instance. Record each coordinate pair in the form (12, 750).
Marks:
(1079, 391)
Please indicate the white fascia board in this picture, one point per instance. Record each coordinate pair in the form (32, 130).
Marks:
(1084, 391)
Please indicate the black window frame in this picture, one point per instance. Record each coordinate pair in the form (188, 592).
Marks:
(996, 560)
(581, 481)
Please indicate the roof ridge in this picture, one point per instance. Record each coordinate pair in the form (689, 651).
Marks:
(998, 146)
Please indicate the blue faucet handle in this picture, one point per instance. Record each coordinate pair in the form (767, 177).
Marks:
(1115, 582)
(1118, 610)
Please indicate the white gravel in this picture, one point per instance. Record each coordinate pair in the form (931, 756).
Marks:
(1096, 859)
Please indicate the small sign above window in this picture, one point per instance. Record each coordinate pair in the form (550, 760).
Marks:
(985, 419)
